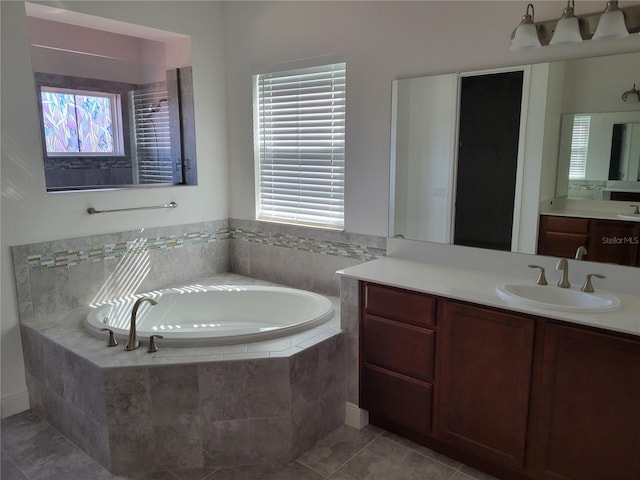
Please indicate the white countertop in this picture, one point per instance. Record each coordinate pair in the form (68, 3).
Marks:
(479, 287)
(588, 214)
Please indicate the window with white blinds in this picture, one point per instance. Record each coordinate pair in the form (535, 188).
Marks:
(299, 144)
(579, 147)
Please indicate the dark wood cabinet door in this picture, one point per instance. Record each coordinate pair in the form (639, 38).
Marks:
(561, 236)
(402, 348)
(484, 367)
(612, 241)
(402, 400)
(400, 305)
(589, 424)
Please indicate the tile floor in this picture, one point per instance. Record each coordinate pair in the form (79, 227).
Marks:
(34, 450)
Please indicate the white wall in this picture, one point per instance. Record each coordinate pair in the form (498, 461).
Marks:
(381, 42)
(105, 55)
(30, 215)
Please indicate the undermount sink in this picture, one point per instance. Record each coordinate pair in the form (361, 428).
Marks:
(634, 217)
(556, 298)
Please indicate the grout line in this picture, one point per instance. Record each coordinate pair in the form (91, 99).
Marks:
(378, 435)
(15, 465)
(455, 469)
(309, 467)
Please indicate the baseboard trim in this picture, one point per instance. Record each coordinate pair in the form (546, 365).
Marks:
(12, 404)
(355, 416)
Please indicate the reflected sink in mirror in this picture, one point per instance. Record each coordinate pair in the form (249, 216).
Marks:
(556, 298)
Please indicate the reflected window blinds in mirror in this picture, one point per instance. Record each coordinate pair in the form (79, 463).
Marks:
(115, 110)
(599, 151)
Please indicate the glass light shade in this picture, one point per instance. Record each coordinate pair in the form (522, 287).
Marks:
(611, 25)
(526, 36)
(567, 31)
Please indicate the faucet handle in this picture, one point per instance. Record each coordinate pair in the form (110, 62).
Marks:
(152, 343)
(541, 278)
(587, 287)
(112, 342)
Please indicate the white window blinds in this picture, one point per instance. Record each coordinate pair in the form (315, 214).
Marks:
(299, 142)
(579, 147)
(152, 137)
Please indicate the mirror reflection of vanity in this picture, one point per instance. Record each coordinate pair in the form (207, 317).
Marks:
(115, 102)
(426, 158)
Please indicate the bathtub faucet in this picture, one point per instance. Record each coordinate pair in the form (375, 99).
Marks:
(133, 342)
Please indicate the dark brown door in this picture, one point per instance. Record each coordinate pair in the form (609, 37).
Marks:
(485, 365)
(589, 426)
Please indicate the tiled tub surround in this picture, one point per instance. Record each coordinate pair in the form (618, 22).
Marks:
(59, 276)
(302, 257)
(187, 407)
(179, 407)
(53, 278)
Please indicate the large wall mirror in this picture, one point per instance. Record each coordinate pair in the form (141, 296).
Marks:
(516, 128)
(115, 102)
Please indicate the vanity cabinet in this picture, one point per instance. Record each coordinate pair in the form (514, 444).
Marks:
(589, 420)
(485, 363)
(519, 396)
(397, 344)
(608, 241)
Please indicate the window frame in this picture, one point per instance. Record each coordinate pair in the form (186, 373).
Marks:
(117, 121)
(331, 219)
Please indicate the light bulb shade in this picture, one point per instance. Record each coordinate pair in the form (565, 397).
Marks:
(526, 36)
(567, 31)
(611, 25)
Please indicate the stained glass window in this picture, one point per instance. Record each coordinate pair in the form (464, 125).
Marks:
(80, 123)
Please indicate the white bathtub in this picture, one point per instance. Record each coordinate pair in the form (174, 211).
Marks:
(214, 315)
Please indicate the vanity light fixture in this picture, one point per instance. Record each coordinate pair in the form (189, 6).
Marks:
(611, 23)
(526, 34)
(568, 28)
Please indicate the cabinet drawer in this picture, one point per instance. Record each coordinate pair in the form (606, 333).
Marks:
(401, 305)
(399, 399)
(566, 224)
(396, 346)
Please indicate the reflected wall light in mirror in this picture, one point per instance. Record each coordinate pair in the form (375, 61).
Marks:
(115, 102)
(613, 22)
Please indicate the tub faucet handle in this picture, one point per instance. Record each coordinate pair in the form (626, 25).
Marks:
(541, 278)
(588, 287)
(112, 342)
(152, 343)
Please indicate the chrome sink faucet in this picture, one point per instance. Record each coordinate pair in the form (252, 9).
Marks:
(563, 265)
(133, 342)
(580, 252)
